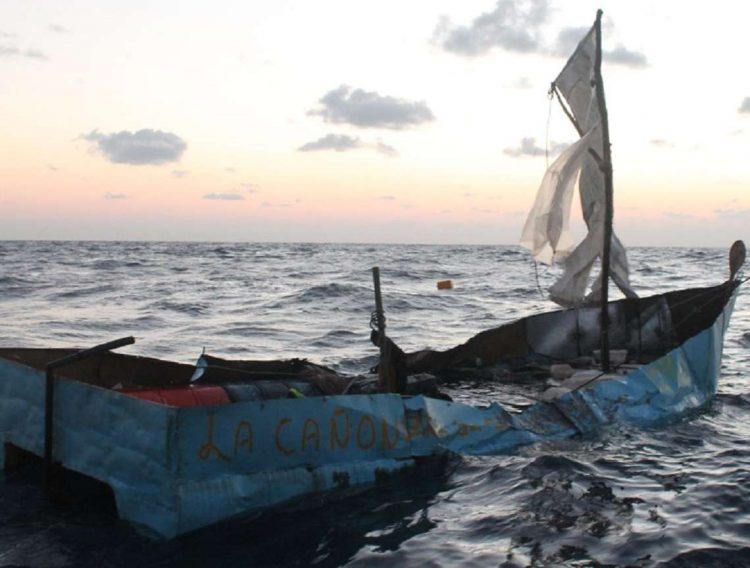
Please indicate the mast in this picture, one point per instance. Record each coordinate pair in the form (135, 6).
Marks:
(606, 167)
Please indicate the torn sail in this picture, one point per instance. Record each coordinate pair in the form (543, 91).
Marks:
(546, 230)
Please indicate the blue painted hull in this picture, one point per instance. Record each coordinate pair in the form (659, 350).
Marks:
(178, 469)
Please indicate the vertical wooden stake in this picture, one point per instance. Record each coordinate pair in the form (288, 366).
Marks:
(386, 375)
(606, 166)
(50, 468)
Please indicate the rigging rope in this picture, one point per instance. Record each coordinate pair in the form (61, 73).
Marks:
(375, 320)
(550, 96)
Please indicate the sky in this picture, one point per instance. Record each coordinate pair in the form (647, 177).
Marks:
(340, 121)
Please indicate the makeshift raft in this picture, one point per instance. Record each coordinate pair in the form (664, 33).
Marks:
(179, 455)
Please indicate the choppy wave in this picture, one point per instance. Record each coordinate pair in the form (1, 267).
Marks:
(673, 496)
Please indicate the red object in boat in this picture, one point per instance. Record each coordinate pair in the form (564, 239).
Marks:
(182, 397)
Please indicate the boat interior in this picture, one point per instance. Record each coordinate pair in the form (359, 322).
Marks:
(526, 350)
(643, 328)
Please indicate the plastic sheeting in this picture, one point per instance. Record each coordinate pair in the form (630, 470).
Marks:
(545, 231)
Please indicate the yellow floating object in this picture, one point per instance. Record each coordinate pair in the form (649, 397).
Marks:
(445, 285)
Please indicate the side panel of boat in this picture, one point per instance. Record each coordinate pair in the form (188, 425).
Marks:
(685, 378)
(127, 443)
(250, 456)
(448, 426)
(21, 407)
(117, 439)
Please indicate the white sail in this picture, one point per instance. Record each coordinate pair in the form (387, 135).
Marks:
(576, 84)
(546, 232)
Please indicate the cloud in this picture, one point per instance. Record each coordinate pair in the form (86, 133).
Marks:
(385, 149)
(522, 83)
(52, 168)
(110, 195)
(267, 204)
(621, 55)
(528, 147)
(13, 51)
(517, 25)
(568, 39)
(58, 28)
(386, 198)
(179, 173)
(513, 25)
(34, 54)
(336, 142)
(368, 109)
(144, 147)
(224, 196)
(745, 106)
(344, 143)
(732, 213)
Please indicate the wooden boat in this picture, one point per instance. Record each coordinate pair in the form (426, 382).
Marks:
(185, 446)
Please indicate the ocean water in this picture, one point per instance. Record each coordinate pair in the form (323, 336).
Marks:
(672, 496)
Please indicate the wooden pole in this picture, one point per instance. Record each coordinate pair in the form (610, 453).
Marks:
(386, 379)
(606, 167)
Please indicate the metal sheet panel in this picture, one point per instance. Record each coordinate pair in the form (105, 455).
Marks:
(568, 334)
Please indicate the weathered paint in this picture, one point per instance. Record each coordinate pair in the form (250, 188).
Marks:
(176, 470)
